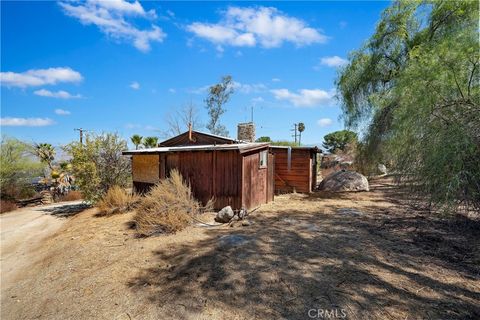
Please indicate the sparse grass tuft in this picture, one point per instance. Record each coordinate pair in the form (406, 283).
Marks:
(168, 207)
(6, 206)
(72, 196)
(116, 200)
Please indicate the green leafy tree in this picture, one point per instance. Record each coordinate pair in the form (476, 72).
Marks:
(150, 142)
(339, 140)
(17, 169)
(301, 128)
(264, 139)
(415, 87)
(136, 140)
(218, 96)
(98, 164)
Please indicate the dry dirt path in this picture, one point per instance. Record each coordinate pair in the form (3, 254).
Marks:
(22, 233)
(364, 254)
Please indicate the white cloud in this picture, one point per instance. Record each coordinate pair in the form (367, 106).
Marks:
(39, 77)
(258, 99)
(334, 61)
(324, 122)
(265, 26)
(58, 94)
(171, 90)
(249, 88)
(62, 112)
(276, 80)
(109, 17)
(26, 122)
(304, 97)
(135, 85)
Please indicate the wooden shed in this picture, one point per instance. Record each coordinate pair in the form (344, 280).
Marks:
(295, 169)
(239, 175)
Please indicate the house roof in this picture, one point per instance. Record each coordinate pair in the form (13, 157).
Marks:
(242, 147)
(314, 148)
(208, 138)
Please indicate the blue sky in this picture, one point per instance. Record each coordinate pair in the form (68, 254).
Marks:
(125, 66)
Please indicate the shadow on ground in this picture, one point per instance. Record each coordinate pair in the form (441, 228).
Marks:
(376, 266)
(65, 211)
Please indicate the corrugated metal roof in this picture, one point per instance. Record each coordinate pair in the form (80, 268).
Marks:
(242, 147)
(314, 148)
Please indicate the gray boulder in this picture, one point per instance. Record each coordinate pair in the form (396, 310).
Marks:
(344, 181)
(225, 215)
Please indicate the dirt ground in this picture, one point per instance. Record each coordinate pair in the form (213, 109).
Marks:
(364, 255)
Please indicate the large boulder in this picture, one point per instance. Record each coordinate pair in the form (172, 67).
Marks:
(225, 215)
(344, 181)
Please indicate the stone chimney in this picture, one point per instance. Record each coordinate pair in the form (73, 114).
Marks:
(246, 132)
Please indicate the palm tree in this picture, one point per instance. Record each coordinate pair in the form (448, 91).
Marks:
(45, 152)
(301, 128)
(136, 140)
(150, 142)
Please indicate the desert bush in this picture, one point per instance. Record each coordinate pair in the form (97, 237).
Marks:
(6, 206)
(168, 207)
(72, 196)
(116, 200)
(98, 164)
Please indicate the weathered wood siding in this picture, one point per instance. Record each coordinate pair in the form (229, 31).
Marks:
(254, 186)
(299, 177)
(210, 174)
(145, 168)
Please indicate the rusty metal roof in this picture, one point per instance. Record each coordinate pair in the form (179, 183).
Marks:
(242, 147)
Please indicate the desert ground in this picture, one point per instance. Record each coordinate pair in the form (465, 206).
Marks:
(366, 255)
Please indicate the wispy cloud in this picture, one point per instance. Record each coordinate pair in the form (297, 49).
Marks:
(304, 97)
(56, 94)
(110, 18)
(264, 26)
(171, 90)
(62, 112)
(276, 80)
(39, 77)
(244, 88)
(333, 61)
(26, 122)
(325, 122)
(135, 85)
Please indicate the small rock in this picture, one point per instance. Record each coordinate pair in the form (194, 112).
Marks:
(242, 213)
(225, 215)
(382, 168)
(245, 223)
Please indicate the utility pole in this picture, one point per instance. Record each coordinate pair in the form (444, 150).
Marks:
(295, 130)
(80, 130)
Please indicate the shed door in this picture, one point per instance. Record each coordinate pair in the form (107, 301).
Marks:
(271, 177)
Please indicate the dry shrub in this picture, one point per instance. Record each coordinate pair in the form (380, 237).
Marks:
(72, 196)
(168, 207)
(116, 200)
(6, 206)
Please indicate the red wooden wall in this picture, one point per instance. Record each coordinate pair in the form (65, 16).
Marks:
(301, 175)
